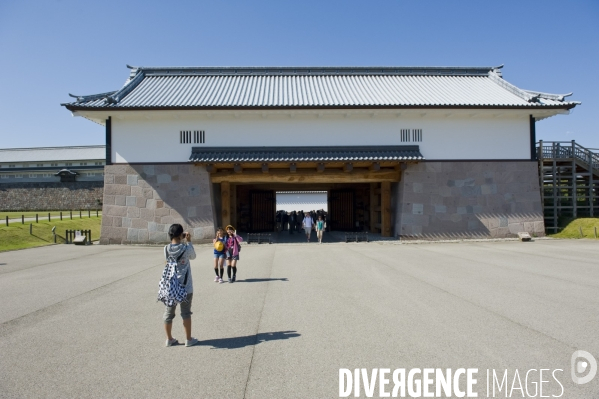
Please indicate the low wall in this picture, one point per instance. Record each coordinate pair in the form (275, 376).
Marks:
(445, 200)
(142, 201)
(54, 196)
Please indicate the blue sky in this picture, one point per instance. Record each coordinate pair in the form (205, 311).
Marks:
(51, 48)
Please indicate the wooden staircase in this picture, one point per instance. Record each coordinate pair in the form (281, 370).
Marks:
(569, 180)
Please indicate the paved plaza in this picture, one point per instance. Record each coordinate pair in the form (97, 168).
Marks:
(83, 322)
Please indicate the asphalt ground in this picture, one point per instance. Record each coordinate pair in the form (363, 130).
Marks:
(83, 322)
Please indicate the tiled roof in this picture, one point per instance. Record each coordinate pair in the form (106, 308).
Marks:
(291, 87)
(305, 154)
(76, 153)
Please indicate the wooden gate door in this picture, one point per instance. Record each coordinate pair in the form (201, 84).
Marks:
(262, 209)
(341, 212)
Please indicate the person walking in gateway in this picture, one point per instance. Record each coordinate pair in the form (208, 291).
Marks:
(182, 250)
(319, 225)
(232, 248)
(219, 255)
(307, 225)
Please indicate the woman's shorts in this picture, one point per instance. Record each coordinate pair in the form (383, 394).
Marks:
(169, 311)
(221, 256)
(236, 257)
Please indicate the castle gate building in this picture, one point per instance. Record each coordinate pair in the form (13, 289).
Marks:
(412, 152)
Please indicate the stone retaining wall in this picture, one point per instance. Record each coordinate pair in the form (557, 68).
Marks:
(444, 200)
(142, 201)
(53, 196)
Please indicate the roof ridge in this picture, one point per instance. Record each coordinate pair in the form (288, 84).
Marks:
(496, 78)
(316, 70)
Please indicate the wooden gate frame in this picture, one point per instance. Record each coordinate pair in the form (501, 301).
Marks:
(380, 175)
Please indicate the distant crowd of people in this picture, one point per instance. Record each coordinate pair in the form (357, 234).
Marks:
(301, 221)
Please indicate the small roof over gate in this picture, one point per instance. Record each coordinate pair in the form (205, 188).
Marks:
(305, 154)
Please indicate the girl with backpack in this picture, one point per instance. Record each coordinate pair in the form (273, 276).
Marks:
(233, 247)
(181, 251)
(219, 255)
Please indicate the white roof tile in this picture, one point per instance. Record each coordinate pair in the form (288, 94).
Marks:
(201, 88)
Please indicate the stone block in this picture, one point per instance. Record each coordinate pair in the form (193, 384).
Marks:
(131, 201)
(147, 182)
(114, 233)
(417, 209)
(139, 224)
(191, 211)
(140, 202)
(163, 227)
(470, 191)
(445, 191)
(117, 189)
(147, 193)
(475, 225)
(149, 170)
(114, 210)
(164, 178)
(514, 228)
(132, 180)
(151, 204)
(159, 204)
(120, 200)
(539, 227)
(152, 226)
(146, 214)
(462, 210)
(469, 182)
(487, 189)
(503, 221)
(137, 191)
(109, 179)
(126, 222)
(455, 217)
(529, 227)
(167, 220)
(142, 235)
(157, 236)
(120, 179)
(107, 220)
(132, 235)
(198, 233)
(108, 199)
(133, 212)
(491, 222)
(162, 212)
(417, 187)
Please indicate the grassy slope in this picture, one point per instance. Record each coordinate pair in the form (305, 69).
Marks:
(572, 229)
(16, 236)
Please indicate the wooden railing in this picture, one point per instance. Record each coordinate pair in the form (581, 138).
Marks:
(568, 150)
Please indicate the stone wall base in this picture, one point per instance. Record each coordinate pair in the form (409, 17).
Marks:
(53, 196)
(142, 201)
(449, 200)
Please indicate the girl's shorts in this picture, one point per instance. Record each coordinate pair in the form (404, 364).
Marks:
(221, 256)
(236, 257)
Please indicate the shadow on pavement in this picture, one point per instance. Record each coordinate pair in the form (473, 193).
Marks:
(248, 340)
(261, 280)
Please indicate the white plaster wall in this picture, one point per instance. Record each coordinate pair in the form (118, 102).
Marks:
(135, 138)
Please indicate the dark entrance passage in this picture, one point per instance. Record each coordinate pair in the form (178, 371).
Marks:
(342, 210)
(348, 207)
(262, 211)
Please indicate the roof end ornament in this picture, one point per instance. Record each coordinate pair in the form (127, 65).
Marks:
(498, 71)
